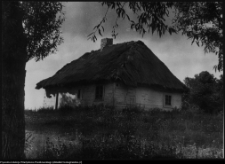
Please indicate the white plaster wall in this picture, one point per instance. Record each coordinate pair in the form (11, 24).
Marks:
(88, 94)
(124, 96)
(149, 98)
(108, 94)
(121, 96)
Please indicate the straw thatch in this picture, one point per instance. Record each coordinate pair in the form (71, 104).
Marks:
(131, 63)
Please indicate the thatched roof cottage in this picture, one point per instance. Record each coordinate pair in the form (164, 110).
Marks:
(119, 75)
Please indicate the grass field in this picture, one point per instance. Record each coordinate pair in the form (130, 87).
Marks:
(104, 133)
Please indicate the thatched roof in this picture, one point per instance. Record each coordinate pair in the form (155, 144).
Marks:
(132, 63)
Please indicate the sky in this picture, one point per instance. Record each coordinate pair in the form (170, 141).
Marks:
(175, 51)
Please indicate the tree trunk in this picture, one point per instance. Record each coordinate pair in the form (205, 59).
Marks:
(14, 62)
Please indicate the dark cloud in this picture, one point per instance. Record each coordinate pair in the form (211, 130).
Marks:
(82, 17)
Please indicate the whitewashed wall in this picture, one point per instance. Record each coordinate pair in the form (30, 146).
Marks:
(144, 97)
(149, 98)
(88, 94)
(120, 96)
(124, 96)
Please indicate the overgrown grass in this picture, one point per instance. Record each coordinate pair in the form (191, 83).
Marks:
(127, 134)
(112, 147)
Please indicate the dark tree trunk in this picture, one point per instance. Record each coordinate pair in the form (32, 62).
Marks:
(13, 79)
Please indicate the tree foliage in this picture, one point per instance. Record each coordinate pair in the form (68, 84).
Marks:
(200, 21)
(42, 21)
(206, 92)
(150, 16)
(67, 100)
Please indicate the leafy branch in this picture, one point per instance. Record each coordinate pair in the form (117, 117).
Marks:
(98, 28)
(151, 17)
(199, 21)
(120, 12)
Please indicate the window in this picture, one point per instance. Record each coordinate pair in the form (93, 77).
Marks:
(168, 100)
(99, 92)
(79, 94)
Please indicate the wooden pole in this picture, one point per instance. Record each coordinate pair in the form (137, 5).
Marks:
(56, 101)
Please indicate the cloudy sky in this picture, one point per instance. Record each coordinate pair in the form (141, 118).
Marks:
(176, 51)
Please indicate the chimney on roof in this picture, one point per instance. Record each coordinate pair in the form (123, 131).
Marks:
(106, 42)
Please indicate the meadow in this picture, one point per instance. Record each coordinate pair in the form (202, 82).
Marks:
(105, 133)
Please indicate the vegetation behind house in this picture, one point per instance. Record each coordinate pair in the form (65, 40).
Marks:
(205, 92)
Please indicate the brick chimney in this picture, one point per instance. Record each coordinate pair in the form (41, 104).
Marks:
(106, 42)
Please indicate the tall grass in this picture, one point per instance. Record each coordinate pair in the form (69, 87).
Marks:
(113, 147)
(128, 134)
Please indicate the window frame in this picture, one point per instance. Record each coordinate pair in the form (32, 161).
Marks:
(168, 100)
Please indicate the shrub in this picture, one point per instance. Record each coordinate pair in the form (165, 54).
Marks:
(155, 111)
(132, 110)
(45, 109)
(205, 92)
(66, 109)
(54, 152)
(67, 100)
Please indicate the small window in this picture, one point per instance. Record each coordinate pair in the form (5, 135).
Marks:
(79, 94)
(99, 92)
(168, 100)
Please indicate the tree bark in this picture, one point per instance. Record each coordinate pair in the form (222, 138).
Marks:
(14, 62)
